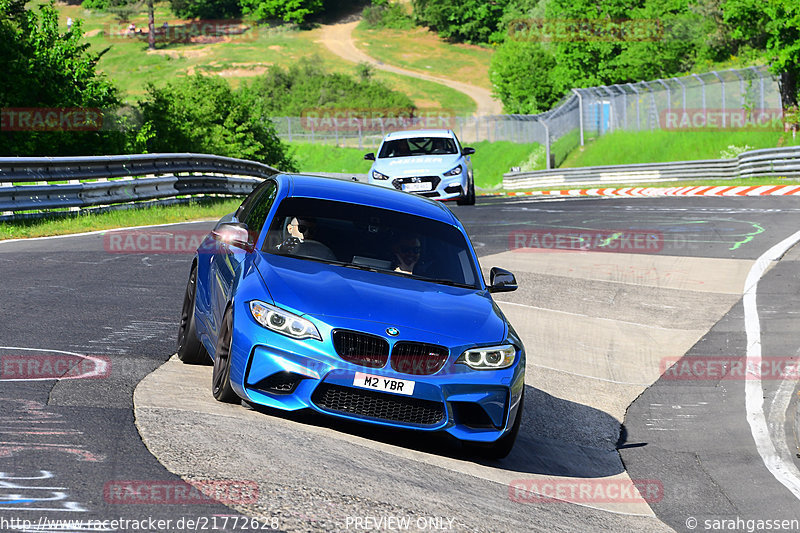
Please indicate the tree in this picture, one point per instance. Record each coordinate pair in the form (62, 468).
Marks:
(772, 26)
(296, 11)
(206, 9)
(460, 20)
(520, 75)
(45, 68)
(202, 114)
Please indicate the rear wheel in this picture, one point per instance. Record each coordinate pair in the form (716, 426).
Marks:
(190, 349)
(221, 377)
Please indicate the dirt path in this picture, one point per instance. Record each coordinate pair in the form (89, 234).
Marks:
(339, 40)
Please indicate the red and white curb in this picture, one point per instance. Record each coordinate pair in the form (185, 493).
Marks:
(759, 190)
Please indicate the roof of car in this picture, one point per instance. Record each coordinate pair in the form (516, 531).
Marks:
(365, 194)
(418, 133)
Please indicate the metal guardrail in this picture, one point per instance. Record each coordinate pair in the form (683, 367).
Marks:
(754, 164)
(93, 181)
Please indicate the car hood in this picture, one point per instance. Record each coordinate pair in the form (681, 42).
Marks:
(324, 290)
(422, 165)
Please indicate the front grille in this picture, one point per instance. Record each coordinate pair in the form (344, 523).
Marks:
(434, 180)
(418, 358)
(378, 405)
(360, 348)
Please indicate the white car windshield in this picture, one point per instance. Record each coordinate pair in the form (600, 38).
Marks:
(418, 146)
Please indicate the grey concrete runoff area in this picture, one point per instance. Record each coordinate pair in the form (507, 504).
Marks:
(600, 330)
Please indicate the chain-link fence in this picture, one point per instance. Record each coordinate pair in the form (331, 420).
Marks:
(729, 98)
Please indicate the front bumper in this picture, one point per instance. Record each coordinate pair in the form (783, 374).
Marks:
(273, 370)
(441, 187)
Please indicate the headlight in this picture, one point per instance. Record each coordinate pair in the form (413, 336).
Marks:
(283, 322)
(454, 172)
(378, 176)
(489, 358)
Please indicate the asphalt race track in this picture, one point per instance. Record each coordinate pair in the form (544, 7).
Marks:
(614, 437)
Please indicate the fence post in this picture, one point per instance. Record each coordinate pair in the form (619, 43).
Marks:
(546, 143)
(722, 85)
(638, 98)
(683, 92)
(580, 111)
(289, 126)
(703, 91)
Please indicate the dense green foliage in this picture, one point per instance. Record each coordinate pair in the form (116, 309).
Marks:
(460, 20)
(547, 47)
(44, 67)
(201, 9)
(772, 26)
(202, 114)
(296, 11)
(386, 14)
(306, 87)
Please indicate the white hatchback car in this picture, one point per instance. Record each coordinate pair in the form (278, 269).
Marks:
(430, 163)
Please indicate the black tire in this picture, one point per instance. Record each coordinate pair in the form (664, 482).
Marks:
(221, 377)
(503, 446)
(469, 199)
(190, 349)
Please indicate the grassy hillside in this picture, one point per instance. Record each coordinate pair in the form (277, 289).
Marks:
(629, 147)
(236, 57)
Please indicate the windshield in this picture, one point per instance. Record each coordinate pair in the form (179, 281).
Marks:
(418, 146)
(370, 238)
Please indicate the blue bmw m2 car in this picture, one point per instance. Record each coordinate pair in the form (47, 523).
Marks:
(358, 302)
(430, 163)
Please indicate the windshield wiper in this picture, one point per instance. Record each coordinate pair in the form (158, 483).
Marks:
(450, 282)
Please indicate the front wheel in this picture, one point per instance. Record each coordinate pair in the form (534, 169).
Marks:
(469, 198)
(221, 376)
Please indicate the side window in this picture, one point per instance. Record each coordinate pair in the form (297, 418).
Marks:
(255, 209)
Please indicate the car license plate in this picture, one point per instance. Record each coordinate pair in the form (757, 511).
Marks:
(398, 386)
(414, 187)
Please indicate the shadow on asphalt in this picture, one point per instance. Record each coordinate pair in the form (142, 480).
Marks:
(557, 438)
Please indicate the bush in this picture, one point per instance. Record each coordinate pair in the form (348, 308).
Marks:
(460, 20)
(386, 14)
(306, 86)
(202, 114)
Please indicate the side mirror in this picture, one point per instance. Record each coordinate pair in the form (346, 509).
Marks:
(370, 156)
(467, 150)
(501, 280)
(234, 234)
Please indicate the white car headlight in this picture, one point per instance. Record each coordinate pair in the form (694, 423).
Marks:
(454, 172)
(378, 176)
(489, 358)
(283, 322)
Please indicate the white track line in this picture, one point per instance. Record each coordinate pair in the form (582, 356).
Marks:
(101, 231)
(786, 473)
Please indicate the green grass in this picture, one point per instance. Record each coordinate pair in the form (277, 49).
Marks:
(131, 66)
(630, 147)
(490, 161)
(421, 50)
(207, 209)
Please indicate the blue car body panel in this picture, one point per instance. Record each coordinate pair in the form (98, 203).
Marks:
(334, 297)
